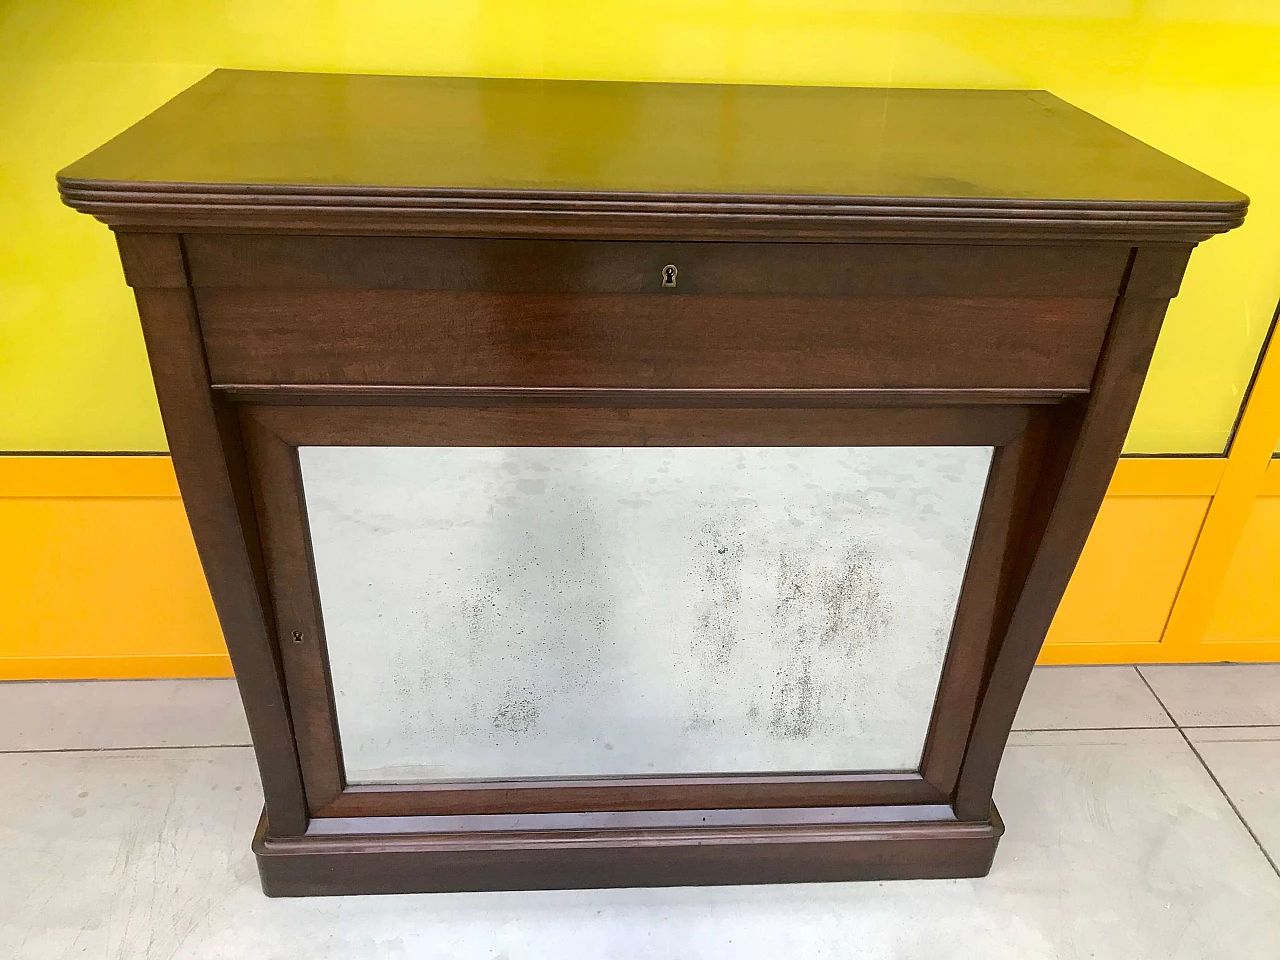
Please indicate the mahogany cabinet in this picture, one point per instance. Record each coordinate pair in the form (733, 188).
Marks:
(608, 484)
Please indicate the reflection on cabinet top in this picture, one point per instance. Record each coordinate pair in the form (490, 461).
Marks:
(341, 153)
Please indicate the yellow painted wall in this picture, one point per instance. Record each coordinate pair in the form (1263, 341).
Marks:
(97, 573)
(1199, 80)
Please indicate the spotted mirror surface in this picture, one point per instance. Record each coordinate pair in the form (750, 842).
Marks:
(506, 613)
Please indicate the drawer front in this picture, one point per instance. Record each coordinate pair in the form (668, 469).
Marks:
(319, 310)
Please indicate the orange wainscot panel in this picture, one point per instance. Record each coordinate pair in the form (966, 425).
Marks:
(99, 576)
(98, 573)
(1126, 581)
(1247, 612)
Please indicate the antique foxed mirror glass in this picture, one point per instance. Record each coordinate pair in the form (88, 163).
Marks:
(504, 613)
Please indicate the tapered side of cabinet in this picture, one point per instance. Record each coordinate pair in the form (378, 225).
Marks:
(208, 458)
(1081, 452)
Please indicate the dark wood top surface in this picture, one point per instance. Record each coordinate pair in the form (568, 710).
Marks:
(339, 142)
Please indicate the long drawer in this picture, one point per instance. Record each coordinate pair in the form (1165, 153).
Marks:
(344, 310)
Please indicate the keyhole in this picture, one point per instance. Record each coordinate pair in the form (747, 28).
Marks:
(669, 275)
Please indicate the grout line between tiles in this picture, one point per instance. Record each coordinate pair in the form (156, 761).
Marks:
(1234, 809)
(178, 746)
(1214, 777)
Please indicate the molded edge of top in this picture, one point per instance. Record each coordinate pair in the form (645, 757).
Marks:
(136, 206)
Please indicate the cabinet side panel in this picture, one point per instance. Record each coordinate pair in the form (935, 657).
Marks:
(1083, 447)
(204, 440)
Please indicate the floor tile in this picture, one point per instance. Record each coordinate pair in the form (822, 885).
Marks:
(1249, 772)
(1118, 846)
(1218, 694)
(108, 714)
(1088, 697)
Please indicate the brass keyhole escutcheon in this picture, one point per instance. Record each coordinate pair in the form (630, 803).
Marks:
(669, 275)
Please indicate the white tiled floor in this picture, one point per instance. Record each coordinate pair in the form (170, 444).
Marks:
(1124, 841)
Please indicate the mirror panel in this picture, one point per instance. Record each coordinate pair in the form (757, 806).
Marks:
(497, 613)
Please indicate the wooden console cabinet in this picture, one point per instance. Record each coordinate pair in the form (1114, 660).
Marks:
(609, 484)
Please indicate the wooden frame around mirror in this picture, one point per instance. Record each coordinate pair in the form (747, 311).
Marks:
(274, 433)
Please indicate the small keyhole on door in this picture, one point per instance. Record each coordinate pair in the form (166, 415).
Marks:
(297, 636)
(669, 275)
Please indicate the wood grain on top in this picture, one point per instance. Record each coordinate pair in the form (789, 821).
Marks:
(327, 145)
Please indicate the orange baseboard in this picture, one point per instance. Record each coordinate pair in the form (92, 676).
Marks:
(1061, 653)
(99, 577)
(116, 667)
